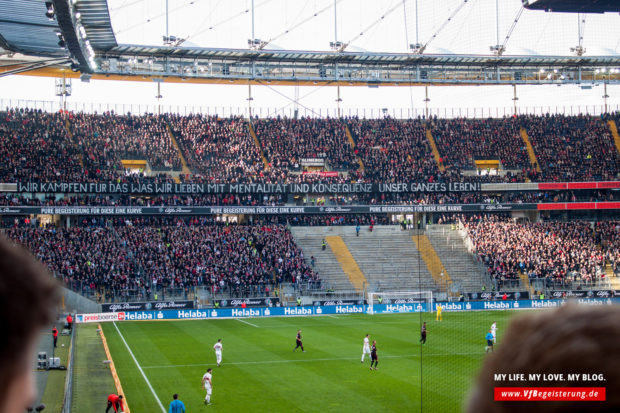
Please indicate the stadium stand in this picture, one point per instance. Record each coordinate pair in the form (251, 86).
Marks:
(125, 257)
(564, 252)
(286, 142)
(571, 148)
(81, 147)
(462, 141)
(35, 145)
(220, 149)
(108, 138)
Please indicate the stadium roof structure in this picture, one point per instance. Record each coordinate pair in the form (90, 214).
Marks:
(573, 6)
(24, 28)
(82, 32)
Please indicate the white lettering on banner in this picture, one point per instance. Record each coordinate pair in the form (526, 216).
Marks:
(135, 316)
(297, 311)
(591, 301)
(496, 306)
(97, 317)
(401, 308)
(192, 314)
(546, 304)
(321, 310)
(349, 309)
(451, 307)
(245, 312)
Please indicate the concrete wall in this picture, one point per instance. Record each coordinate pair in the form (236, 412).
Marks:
(76, 303)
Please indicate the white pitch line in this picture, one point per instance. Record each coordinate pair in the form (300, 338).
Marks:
(247, 322)
(140, 368)
(308, 360)
(332, 316)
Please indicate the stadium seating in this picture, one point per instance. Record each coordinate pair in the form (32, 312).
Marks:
(393, 150)
(286, 142)
(572, 148)
(219, 149)
(35, 146)
(563, 252)
(79, 147)
(463, 141)
(132, 257)
(107, 138)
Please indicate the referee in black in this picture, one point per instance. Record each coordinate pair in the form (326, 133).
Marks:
(298, 342)
(373, 355)
(423, 333)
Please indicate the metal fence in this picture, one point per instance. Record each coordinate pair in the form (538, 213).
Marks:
(263, 112)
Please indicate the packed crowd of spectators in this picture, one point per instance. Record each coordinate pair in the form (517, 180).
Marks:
(285, 142)
(607, 235)
(386, 198)
(572, 148)
(35, 145)
(394, 150)
(440, 198)
(106, 138)
(219, 149)
(148, 254)
(9, 199)
(554, 251)
(461, 142)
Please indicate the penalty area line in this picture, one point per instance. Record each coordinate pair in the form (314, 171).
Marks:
(246, 322)
(140, 368)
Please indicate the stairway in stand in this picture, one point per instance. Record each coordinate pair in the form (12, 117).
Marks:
(352, 143)
(68, 128)
(386, 257)
(530, 149)
(184, 168)
(465, 273)
(257, 143)
(525, 282)
(436, 155)
(433, 262)
(614, 281)
(614, 132)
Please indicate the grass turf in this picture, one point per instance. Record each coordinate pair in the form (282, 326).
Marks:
(260, 372)
(92, 380)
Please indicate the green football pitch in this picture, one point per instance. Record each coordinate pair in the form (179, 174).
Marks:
(261, 373)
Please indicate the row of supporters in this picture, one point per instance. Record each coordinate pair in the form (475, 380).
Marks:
(19, 199)
(552, 251)
(78, 147)
(150, 254)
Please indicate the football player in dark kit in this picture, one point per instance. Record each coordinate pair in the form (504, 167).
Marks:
(423, 333)
(298, 342)
(373, 355)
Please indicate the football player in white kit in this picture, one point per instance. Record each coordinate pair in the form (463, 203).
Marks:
(218, 351)
(207, 385)
(494, 331)
(366, 349)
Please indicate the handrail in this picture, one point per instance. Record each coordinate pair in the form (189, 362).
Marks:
(260, 112)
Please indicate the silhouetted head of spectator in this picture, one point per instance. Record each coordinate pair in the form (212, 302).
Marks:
(28, 296)
(568, 340)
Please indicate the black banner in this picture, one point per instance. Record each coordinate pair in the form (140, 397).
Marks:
(148, 305)
(338, 302)
(249, 302)
(583, 294)
(498, 295)
(261, 210)
(151, 188)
